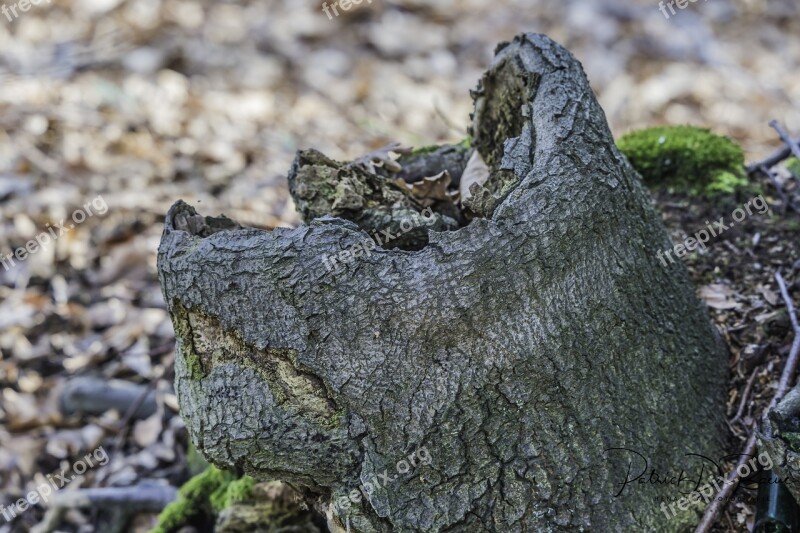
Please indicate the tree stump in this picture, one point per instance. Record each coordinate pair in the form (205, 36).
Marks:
(515, 348)
(780, 439)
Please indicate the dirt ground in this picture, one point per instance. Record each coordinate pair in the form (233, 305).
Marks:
(118, 108)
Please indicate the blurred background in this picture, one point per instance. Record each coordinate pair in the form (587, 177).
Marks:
(144, 102)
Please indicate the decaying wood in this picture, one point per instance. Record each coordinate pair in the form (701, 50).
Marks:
(516, 350)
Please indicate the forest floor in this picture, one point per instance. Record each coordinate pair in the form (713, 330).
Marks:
(122, 107)
(735, 276)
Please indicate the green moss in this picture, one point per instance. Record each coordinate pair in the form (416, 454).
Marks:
(793, 166)
(334, 420)
(686, 158)
(423, 150)
(234, 492)
(201, 498)
(197, 463)
(793, 439)
(192, 502)
(791, 224)
(203, 485)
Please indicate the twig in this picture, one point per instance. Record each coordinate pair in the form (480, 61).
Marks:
(142, 497)
(137, 403)
(720, 500)
(783, 386)
(730, 523)
(786, 138)
(745, 395)
(122, 428)
(129, 414)
(138, 498)
(771, 160)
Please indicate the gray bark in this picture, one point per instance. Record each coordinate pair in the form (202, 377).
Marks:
(515, 350)
(780, 438)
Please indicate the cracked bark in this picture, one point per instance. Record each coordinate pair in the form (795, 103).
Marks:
(516, 349)
(780, 438)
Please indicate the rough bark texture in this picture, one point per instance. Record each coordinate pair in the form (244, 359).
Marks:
(516, 350)
(321, 186)
(780, 438)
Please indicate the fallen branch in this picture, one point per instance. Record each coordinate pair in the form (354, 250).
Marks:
(745, 395)
(771, 160)
(720, 500)
(786, 138)
(127, 500)
(96, 396)
(783, 386)
(144, 497)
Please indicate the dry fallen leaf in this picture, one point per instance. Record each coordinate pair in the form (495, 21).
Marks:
(718, 296)
(476, 171)
(147, 431)
(73, 442)
(21, 409)
(383, 157)
(429, 190)
(769, 295)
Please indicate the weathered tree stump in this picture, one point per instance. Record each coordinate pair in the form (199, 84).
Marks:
(780, 438)
(515, 350)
